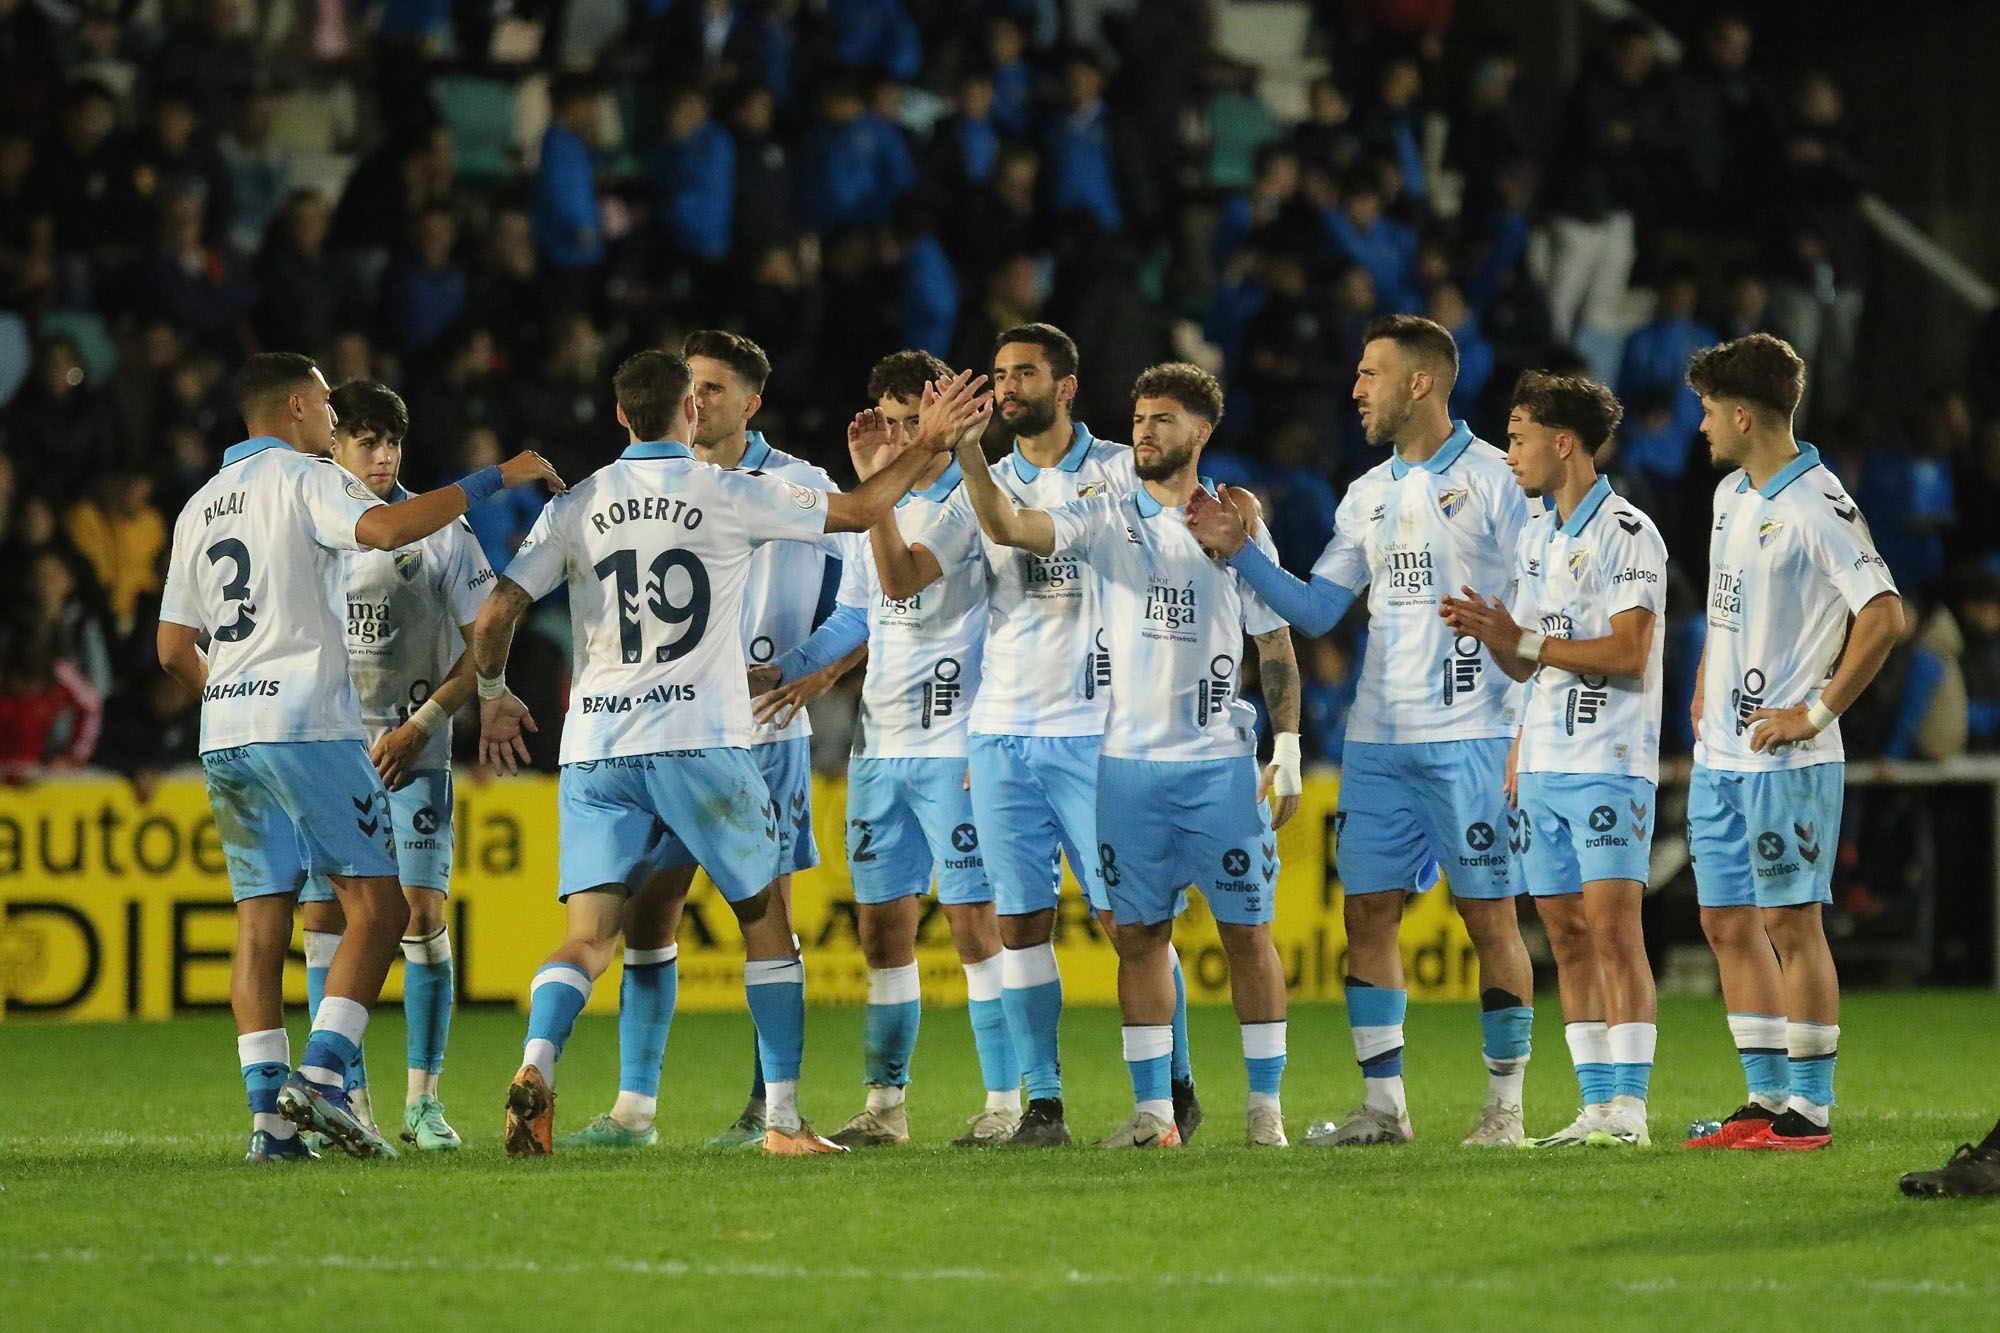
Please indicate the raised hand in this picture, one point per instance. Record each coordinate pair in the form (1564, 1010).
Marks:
(1219, 527)
(949, 407)
(870, 443)
(528, 467)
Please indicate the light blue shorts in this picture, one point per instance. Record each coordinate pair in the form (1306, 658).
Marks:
(706, 807)
(1765, 839)
(421, 809)
(288, 809)
(1408, 811)
(1165, 826)
(907, 818)
(1032, 798)
(788, 775)
(1576, 828)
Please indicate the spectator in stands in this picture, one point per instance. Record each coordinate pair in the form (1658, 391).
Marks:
(391, 186)
(194, 284)
(171, 158)
(29, 68)
(1082, 176)
(1326, 139)
(876, 36)
(693, 176)
(930, 291)
(1728, 118)
(716, 43)
(1920, 711)
(1979, 619)
(562, 411)
(149, 730)
(965, 146)
(424, 289)
(506, 284)
(1657, 352)
(502, 522)
(1328, 691)
(1362, 234)
(59, 607)
(1475, 355)
(1392, 126)
(462, 387)
(855, 166)
(260, 171)
(1013, 295)
(1747, 308)
(1601, 178)
(1820, 251)
(1273, 201)
(209, 58)
(27, 232)
(1007, 219)
(76, 172)
(762, 215)
(49, 711)
(59, 423)
(1492, 129)
(302, 295)
(1013, 80)
(568, 226)
(123, 536)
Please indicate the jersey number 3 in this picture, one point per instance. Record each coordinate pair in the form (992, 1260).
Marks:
(237, 589)
(623, 568)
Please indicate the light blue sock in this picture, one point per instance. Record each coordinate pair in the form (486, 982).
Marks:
(889, 1028)
(1632, 1047)
(1508, 1033)
(1375, 1016)
(427, 997)
(776, 991)
(1590, 1051)
(1149, 1055)
(646, 999)
(1812, 1048)
(556, 997)
(1264, 1056)
(1763, 1051)
(998, 1069)
(332, 1057)
(265, 1060)
(1032, 998)
(1183, 1063)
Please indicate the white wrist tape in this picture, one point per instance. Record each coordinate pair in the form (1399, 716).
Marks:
(1820, 715)
(430, 717)
(1285, 757)
(491, 687)
(1530, 646)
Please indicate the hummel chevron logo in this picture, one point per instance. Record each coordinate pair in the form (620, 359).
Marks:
(368, 826)
(363, 803)
(1632, 528)
(1848, 514)
(1808, 842)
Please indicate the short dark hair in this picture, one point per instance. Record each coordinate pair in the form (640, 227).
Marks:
(1189, 385)
(1759, 369)
(650, 387)
(1573, 403)
(1426, 340)
(734, 350)
(364, 407)
(268, 375)
(1057, 346)
(904, 374)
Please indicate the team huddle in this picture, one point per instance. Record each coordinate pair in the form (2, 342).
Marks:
(1055, 648)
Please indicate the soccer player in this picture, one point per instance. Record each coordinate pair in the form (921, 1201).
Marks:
(1179, 798)
(256, 567)
(918, 599)
(1790, 561)
(1423, 773)
(1589, 589)
(409, 616)
(1037, 726)
(787, 583)
(655, 549)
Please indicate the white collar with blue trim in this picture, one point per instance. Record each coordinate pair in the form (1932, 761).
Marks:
(1447, 453)
(756, 451)
(1586, 509)
(256, 444)
(1807, 460)
(938, 491)
(1079, 449)
(1148, 507)
(657, 449)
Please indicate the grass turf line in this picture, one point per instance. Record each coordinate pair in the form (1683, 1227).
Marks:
(121, 1199)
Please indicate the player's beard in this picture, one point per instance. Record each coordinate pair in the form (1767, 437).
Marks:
(1032, 416)
(1385, 425)
(1166, 464)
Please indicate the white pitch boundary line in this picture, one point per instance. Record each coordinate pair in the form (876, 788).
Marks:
(739, 1270)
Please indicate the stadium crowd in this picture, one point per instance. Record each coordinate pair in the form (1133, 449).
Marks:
(836, 179)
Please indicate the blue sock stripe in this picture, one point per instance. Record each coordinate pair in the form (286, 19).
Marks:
(1376, 1006)
(1034, 1021)
(888, 1040)
(998, 1069)
(1633, 1080)
(328, 1050)
(553, 1007)
(646, 998)
(1812, 1078)
(1767, 1072)
(1183, 1069)
(1152, 1079)
(1597, 1082)
(261, 1083)
(1509, 1032)
(1389, 1064)
(1265, 1072)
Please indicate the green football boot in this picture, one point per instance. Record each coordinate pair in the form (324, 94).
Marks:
(606, 1132)
(424, 1125)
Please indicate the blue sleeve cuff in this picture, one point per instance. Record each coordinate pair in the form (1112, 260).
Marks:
(840, 634)
(1313, 608)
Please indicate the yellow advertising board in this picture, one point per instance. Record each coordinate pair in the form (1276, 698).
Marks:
(114, 908)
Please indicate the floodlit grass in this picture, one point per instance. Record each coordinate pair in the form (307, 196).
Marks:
(123, 1202)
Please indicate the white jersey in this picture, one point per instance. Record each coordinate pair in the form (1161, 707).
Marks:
(924, 651)
(656, 549)
(257, 566)
(1046, 673)
(1409, 535)
(1787, 563)
(785, 582)
(1174, 618)
(1570, 580)
(404, 610)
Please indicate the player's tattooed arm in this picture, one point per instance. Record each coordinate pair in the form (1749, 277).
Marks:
(502, 717)
(180, 656)
(1278, 678)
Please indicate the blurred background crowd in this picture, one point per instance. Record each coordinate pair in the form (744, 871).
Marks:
(488, 205)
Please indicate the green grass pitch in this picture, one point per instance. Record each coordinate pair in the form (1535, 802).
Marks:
(123, 1204)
